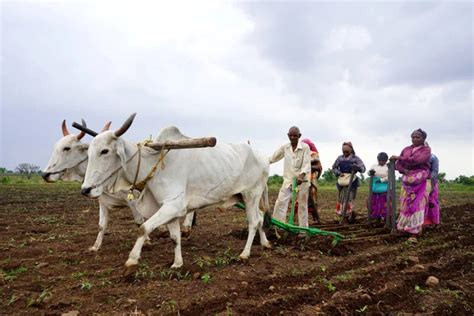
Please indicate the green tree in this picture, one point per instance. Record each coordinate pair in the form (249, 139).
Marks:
(329, 176)
(441, 177)
(465, 180)
(28, 169)
(275, 180)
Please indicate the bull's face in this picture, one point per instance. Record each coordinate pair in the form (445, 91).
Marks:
(68, 156)
(104, 162)
(106, 157)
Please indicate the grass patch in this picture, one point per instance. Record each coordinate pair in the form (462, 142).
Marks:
(78, 275)
(42, 297)
(454, 293)
(11, 274)
(144, 271)
(344, 277)
(420, 290)
(172, 274)
(226, 258)
(169, 307)
(206, 278)
(86, 285)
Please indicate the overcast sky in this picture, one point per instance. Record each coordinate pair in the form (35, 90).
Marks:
(367, 72)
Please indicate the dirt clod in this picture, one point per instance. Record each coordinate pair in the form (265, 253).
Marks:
(413, 259)
(432, 281)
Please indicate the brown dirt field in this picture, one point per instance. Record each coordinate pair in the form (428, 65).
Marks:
(46, 268)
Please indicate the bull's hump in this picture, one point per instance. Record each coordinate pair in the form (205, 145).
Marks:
(170, 133)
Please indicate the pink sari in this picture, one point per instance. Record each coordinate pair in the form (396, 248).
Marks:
(413, 163)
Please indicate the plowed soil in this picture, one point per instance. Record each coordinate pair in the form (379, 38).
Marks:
(46, 268)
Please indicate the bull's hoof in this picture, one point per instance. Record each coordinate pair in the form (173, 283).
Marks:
(176, 265)
(244, 257)
(268, 245)
(185, 234)
(93, 249)
(129, 271)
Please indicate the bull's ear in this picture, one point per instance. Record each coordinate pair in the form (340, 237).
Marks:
(121, 151)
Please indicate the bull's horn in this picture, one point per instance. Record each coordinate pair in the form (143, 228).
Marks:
(125, 126)
(106, 126)
(84, 128)
(82, 133)
(64, 127)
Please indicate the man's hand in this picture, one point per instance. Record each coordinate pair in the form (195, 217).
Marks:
(354, 167)
(300, 178)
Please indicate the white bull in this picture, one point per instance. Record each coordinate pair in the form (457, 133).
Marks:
(191, 179)
(68, 162)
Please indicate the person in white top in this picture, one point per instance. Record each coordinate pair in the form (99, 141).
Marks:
(381, 169)
(379, 191)
(297, 164)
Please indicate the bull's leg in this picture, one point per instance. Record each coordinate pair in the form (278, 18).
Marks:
(103, 221)
(162, 232)
(261, 217)
(263, 237)
(137, 217)
(164, 215)
(251, 208)
(175, 234)
(187, 225)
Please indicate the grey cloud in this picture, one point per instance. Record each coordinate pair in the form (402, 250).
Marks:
(430, 47)
(422, 43)
(57, 64)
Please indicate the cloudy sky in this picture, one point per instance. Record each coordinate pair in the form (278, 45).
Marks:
(368, 72)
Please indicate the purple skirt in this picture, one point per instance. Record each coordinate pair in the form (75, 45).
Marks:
(379, 205)
(432, 209)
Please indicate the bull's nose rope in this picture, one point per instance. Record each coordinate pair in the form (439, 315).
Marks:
(140, 186)
(67, 168)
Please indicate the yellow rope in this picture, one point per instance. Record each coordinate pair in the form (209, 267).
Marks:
(140, 186)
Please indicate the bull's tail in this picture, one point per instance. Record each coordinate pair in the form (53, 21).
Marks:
(267, 217)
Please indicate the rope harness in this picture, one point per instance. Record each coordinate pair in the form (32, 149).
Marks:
(67, 168)
(140, 186)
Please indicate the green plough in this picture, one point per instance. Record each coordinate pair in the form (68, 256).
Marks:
(290, 227)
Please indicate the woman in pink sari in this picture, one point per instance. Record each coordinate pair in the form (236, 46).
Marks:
(414, 165)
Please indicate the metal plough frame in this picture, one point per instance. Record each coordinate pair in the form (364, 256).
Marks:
(292, 228)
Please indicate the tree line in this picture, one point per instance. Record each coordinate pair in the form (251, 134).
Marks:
(28, 169)
(330, 178)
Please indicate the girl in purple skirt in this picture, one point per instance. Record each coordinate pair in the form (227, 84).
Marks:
(379, 187)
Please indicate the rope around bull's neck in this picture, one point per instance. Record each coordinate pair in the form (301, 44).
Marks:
(67, 168)
(140, 186)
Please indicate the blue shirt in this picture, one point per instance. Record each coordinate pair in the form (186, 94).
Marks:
(434, 169)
